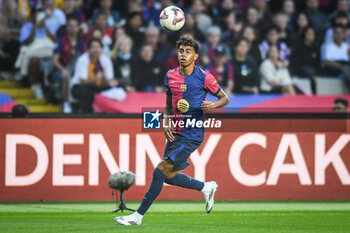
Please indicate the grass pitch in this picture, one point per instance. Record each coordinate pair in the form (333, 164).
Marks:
(181, 217)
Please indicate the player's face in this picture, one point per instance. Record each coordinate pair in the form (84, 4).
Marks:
(186, 55)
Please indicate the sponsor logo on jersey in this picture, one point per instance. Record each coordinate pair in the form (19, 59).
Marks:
(183, 105)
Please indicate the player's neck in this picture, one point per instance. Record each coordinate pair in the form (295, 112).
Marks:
(187, 70)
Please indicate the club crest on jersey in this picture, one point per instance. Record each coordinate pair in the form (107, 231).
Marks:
(183, 87)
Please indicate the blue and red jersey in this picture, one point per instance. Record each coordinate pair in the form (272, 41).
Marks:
(67, 51)
(188, 92)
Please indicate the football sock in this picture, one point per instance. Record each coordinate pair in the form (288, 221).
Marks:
(185, 181)
(153, 191)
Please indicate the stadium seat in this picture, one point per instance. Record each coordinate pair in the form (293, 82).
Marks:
(303, 84)
(330, 86)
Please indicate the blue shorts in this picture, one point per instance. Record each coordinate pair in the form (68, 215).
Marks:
(179, 150)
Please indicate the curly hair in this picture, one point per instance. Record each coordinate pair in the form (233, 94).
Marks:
(187, 40)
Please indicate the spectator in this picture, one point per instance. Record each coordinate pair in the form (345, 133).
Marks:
(134, 28)
(227, 6)
(151, 12)
(340, 19)
(281, 21)
(106, 8)
(123, 59)
(318, 20)
(24, 7)
(246, 79)
(79, 6)
(264, 14)
(250, 34)
(212, 9)
(203, 21)
(161, 53)
(88, 6)
(301, 22)
(10, 26)
(274, 74)
(288, 8)
(305, 58)
(251, 17)
(93, 74)
(341, 6)
(69, 48)
(222, 70)
(340, 105)
(336, 54)
(272, 38)
(190, 27)
(70, 8)
(118, 32)
(38, 39)
(101, 31)
(229, 26)
(147, 73)
(54, 18)
(213, 40)
(135, 6)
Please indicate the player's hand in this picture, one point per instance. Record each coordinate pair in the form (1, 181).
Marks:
(208, 106)
(168, 131)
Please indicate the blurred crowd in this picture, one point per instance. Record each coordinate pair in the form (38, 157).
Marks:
(68, 50)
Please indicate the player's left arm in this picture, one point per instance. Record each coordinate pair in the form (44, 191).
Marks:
(208, 106)
(211, 85)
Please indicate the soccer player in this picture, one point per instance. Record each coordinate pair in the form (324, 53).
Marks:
(186, 87)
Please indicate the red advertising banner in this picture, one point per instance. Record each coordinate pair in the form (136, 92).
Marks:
(250, 159)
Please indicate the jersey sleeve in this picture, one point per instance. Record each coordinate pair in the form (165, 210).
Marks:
(166, 85)
(211, 85)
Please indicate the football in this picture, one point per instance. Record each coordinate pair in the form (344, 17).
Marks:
(172, 18)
